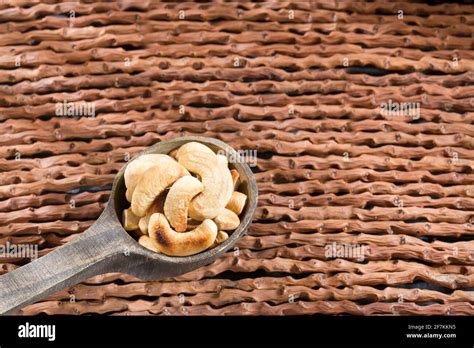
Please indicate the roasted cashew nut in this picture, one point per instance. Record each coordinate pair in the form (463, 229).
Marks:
(147, 243)
(178, 199)
(129, 220)
(156, 207)
(136, 168)
(200, 208)
(143, 224)
(215, 176)
(237, 202)
(153, 183)
(220, 238)
(235, 178)
(227, 220)
(139, 166)
(173, 153)
(173, 243)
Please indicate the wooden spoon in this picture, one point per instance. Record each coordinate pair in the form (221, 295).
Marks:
(106, 247)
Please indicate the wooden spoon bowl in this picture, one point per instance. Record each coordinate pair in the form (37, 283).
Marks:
(106, 247)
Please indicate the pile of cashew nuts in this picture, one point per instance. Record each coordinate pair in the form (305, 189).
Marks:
(182, 203)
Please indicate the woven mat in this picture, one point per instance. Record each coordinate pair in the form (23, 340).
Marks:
(303, 83)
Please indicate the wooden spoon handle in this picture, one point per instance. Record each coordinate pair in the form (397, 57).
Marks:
(99, 250)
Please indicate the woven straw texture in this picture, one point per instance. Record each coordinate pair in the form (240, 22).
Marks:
(300, 82)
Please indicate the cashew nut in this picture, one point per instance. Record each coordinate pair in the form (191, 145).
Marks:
(173, 153)
(227, 220)
(147, 243)
(235, 178)
(129, 220)
(195, 212)
(139, 166)
(174, 243)
(156, 207)
(178, 199)
(220, 238)
(152, 183)
(216, 178)
(237, 202)
(143, 224)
